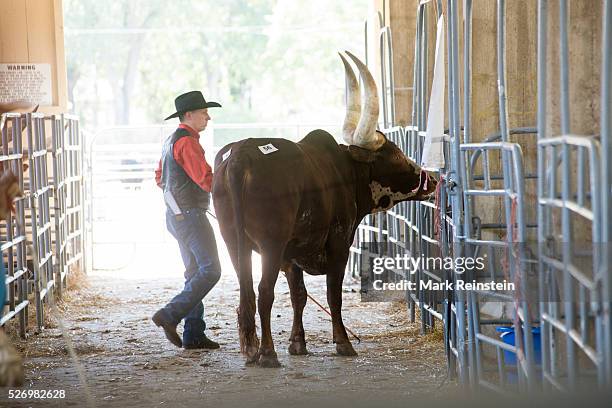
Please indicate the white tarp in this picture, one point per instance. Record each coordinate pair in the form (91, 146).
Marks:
(433, 148)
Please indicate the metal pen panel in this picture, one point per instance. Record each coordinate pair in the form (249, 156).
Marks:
(606, 182)
(387, 80)
(467, 71)
(39, 270)
(39, 193)
(75, 193)
(511, 255)
(455, 179)
(501, 70)
(583, 330)
(571, 304)
(564, 66)
(58, 156)
(417, 220)
(14, 245)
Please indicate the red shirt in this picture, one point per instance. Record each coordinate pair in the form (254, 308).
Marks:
(189, 154)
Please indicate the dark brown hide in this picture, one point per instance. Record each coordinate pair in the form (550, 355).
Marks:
(299, 207)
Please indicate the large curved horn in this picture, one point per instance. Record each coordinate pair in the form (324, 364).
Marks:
(353, 102)
(365, 135)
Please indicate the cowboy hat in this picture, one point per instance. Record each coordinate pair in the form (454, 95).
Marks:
(191, 101)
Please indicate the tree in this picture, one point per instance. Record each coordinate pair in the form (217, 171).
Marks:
(114, 56)
(264, 60)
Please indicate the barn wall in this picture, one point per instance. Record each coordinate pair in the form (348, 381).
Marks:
(32, 31)
(400, 16)
(378, 9)
(584, 34)
(521, 47)
(521, 70)
(402, 20)
(585, 40)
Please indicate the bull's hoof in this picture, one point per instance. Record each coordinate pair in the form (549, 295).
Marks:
(252, 355)
(298, 348)
(268, 360)
(251, 361)
(345, 349)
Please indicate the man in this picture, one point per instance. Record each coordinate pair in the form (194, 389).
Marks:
(186, 179)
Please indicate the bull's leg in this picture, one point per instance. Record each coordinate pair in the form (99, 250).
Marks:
(334, 299)
(297, 341)
(269, 274)
(249, 343)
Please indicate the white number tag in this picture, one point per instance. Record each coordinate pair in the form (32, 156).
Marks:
(267, 149)
(226, 154)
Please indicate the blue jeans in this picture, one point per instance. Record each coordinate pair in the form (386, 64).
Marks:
(198, 248)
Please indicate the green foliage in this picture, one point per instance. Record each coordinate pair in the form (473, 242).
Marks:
(263, 60)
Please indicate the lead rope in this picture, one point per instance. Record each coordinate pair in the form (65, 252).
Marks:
(438, 208)
(329, 313)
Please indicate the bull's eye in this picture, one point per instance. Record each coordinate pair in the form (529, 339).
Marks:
(384, 202)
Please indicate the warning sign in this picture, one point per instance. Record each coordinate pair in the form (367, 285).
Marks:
(26, 82)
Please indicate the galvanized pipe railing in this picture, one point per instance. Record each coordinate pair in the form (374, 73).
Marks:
(569, 320)
(461, 232)
(606, 181)
(386, 63)
(39, 200)
(467, 71)
(45, 267)
(15, 245)
(60, 191)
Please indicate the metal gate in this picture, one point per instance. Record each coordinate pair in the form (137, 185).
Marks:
(559, 313)
(43, 241)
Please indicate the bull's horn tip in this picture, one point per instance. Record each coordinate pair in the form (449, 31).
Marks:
(356, 60)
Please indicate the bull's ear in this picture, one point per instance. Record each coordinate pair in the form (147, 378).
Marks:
(361, 155)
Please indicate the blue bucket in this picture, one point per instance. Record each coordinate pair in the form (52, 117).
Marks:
(507, 336)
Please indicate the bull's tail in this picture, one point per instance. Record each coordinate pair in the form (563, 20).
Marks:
(249, 342)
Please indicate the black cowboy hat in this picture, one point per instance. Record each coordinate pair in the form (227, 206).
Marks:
(191, 101)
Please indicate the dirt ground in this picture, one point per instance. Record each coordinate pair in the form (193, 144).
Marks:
(128, 362)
